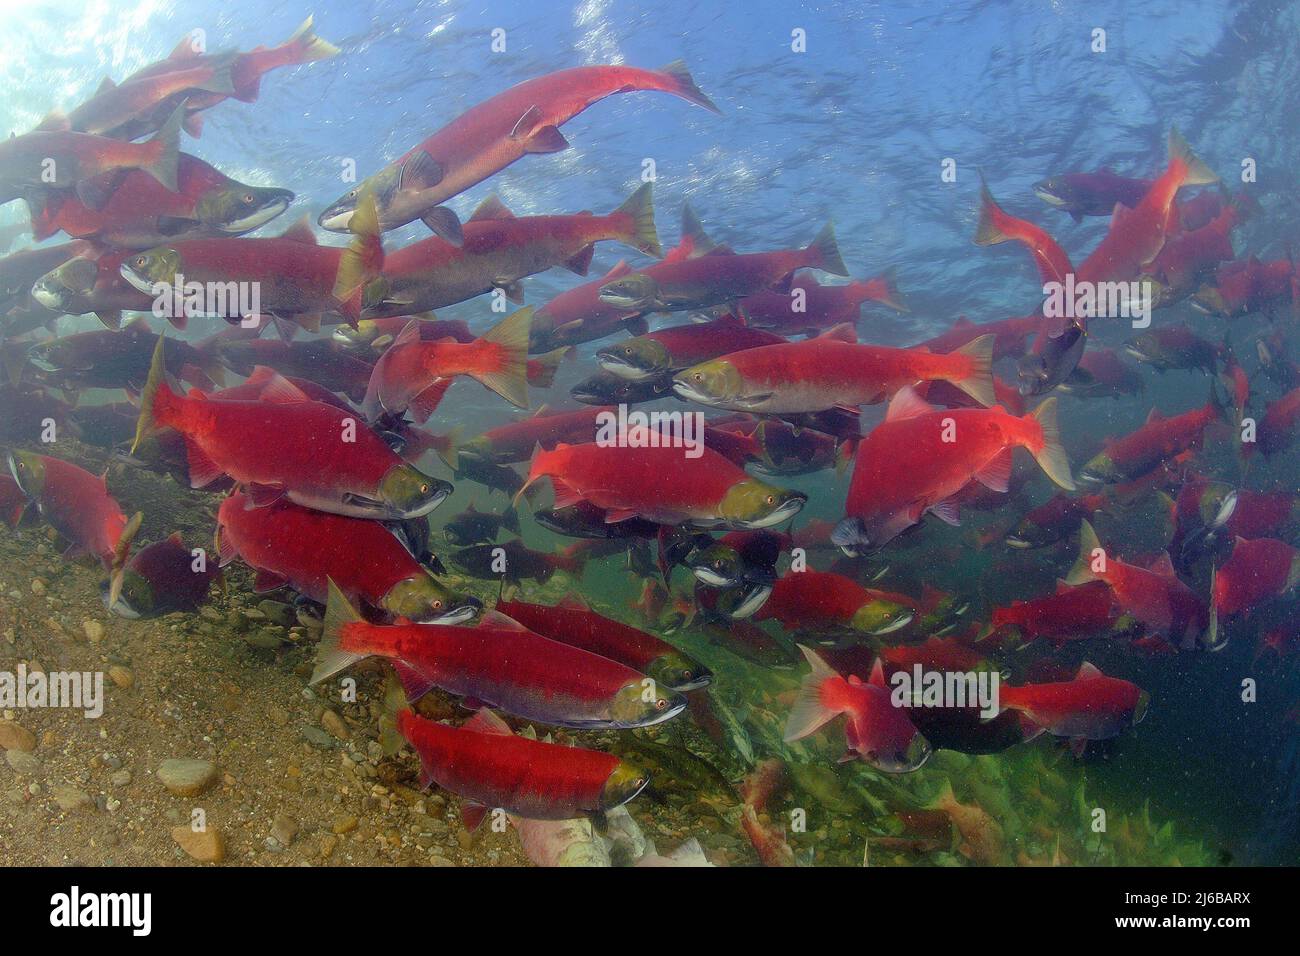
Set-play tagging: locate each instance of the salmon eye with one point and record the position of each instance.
(437, 605)
(771, 499)
(424, 489)
(660, 704)
(699, 377)
(248, 198)
(141, 261)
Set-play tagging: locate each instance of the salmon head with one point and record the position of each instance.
(28, 470)
(635, 293)
(408, 493)
(881, 616)
(716, 382)
(423, 600)
(635, 358)
(752, 504)
(643, 703)
(152, 267)
(624, 782)
(387, 188)
(676, 671)
(137, 598)
(62, 288)
(237, 208)
(1100, 469)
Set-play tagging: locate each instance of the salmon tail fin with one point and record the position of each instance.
(508, 374)
(640, 209)
(1051, 456)
(988, 232)
(121, 551)
(1197, 173)
(810, 711)
(889, 295)
(331, 657)
(824, 253)
(547, 364)
(977, 382)
(166, 144)
(449, 448)
(362, 260)
(683, 84)
(307, 46)
(1081, 572)
(156, 392)
(536, 471)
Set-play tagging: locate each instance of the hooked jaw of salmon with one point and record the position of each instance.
(1050, 192)
(408, 493)
(634, 293)
(851, 537)
(386, 187)
(1099, 471)
(28, 471)
(424, 601)
(752, 504)
(136, 599)
(715, 383)
(239, 209)
(153, 267)
(905, 761)
(748, 598)
(58, 289)
(636, 705)
(635, 359)
(624, 782)
(678, 672)
(881, 617)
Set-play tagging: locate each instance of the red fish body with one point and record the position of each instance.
(1277, 429)
(812, 308)
(1243, 287)
(1155, 597)
(819, 374)
(324, 362)
(1258, 570)
(498, 249)
(282, 443)
(516, 441)
(876, 731)
(74, 502)
(1009, 335)
(573, 623)
(495, 133)
(823, 601)
(306, 549)
(485, 764)
(919, 458)
(1072, 613)
(681, 346)
(1158, 441)
(502, 663)
(663, 485)
(1092, 706)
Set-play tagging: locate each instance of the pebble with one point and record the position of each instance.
(38, 586)
(317, 737)
(22, 762)
(121, 676)
(344, 825)
(206, 846)
(284, 828)
(187, 778)
(69, 798)
(335, 725)
(120, 778)
(94, 630)
(16, 737)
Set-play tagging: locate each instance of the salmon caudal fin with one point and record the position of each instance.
(121, 551)
(810, 711)
(641, 233)
(1051, 456)
(824, 253)
(504, 368)
(307, 47)
(166, 144)
(977, 380)
(331, 657)
(543, 368)
(1089, 546)
(154, 397)
(362, 260)
(682, 83)
(989, 232)
(1196, 173)
(884, 289)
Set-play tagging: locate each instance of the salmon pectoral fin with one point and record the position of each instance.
(203, 470)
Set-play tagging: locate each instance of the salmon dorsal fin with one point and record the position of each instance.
(491, 208)
(300, 231)
(486, 722)
(502, 622)
(877, 678)
(184, 50)
(1154, 416)
(574, 602)
(906, 404)
(1088, 671)
(280, 389)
